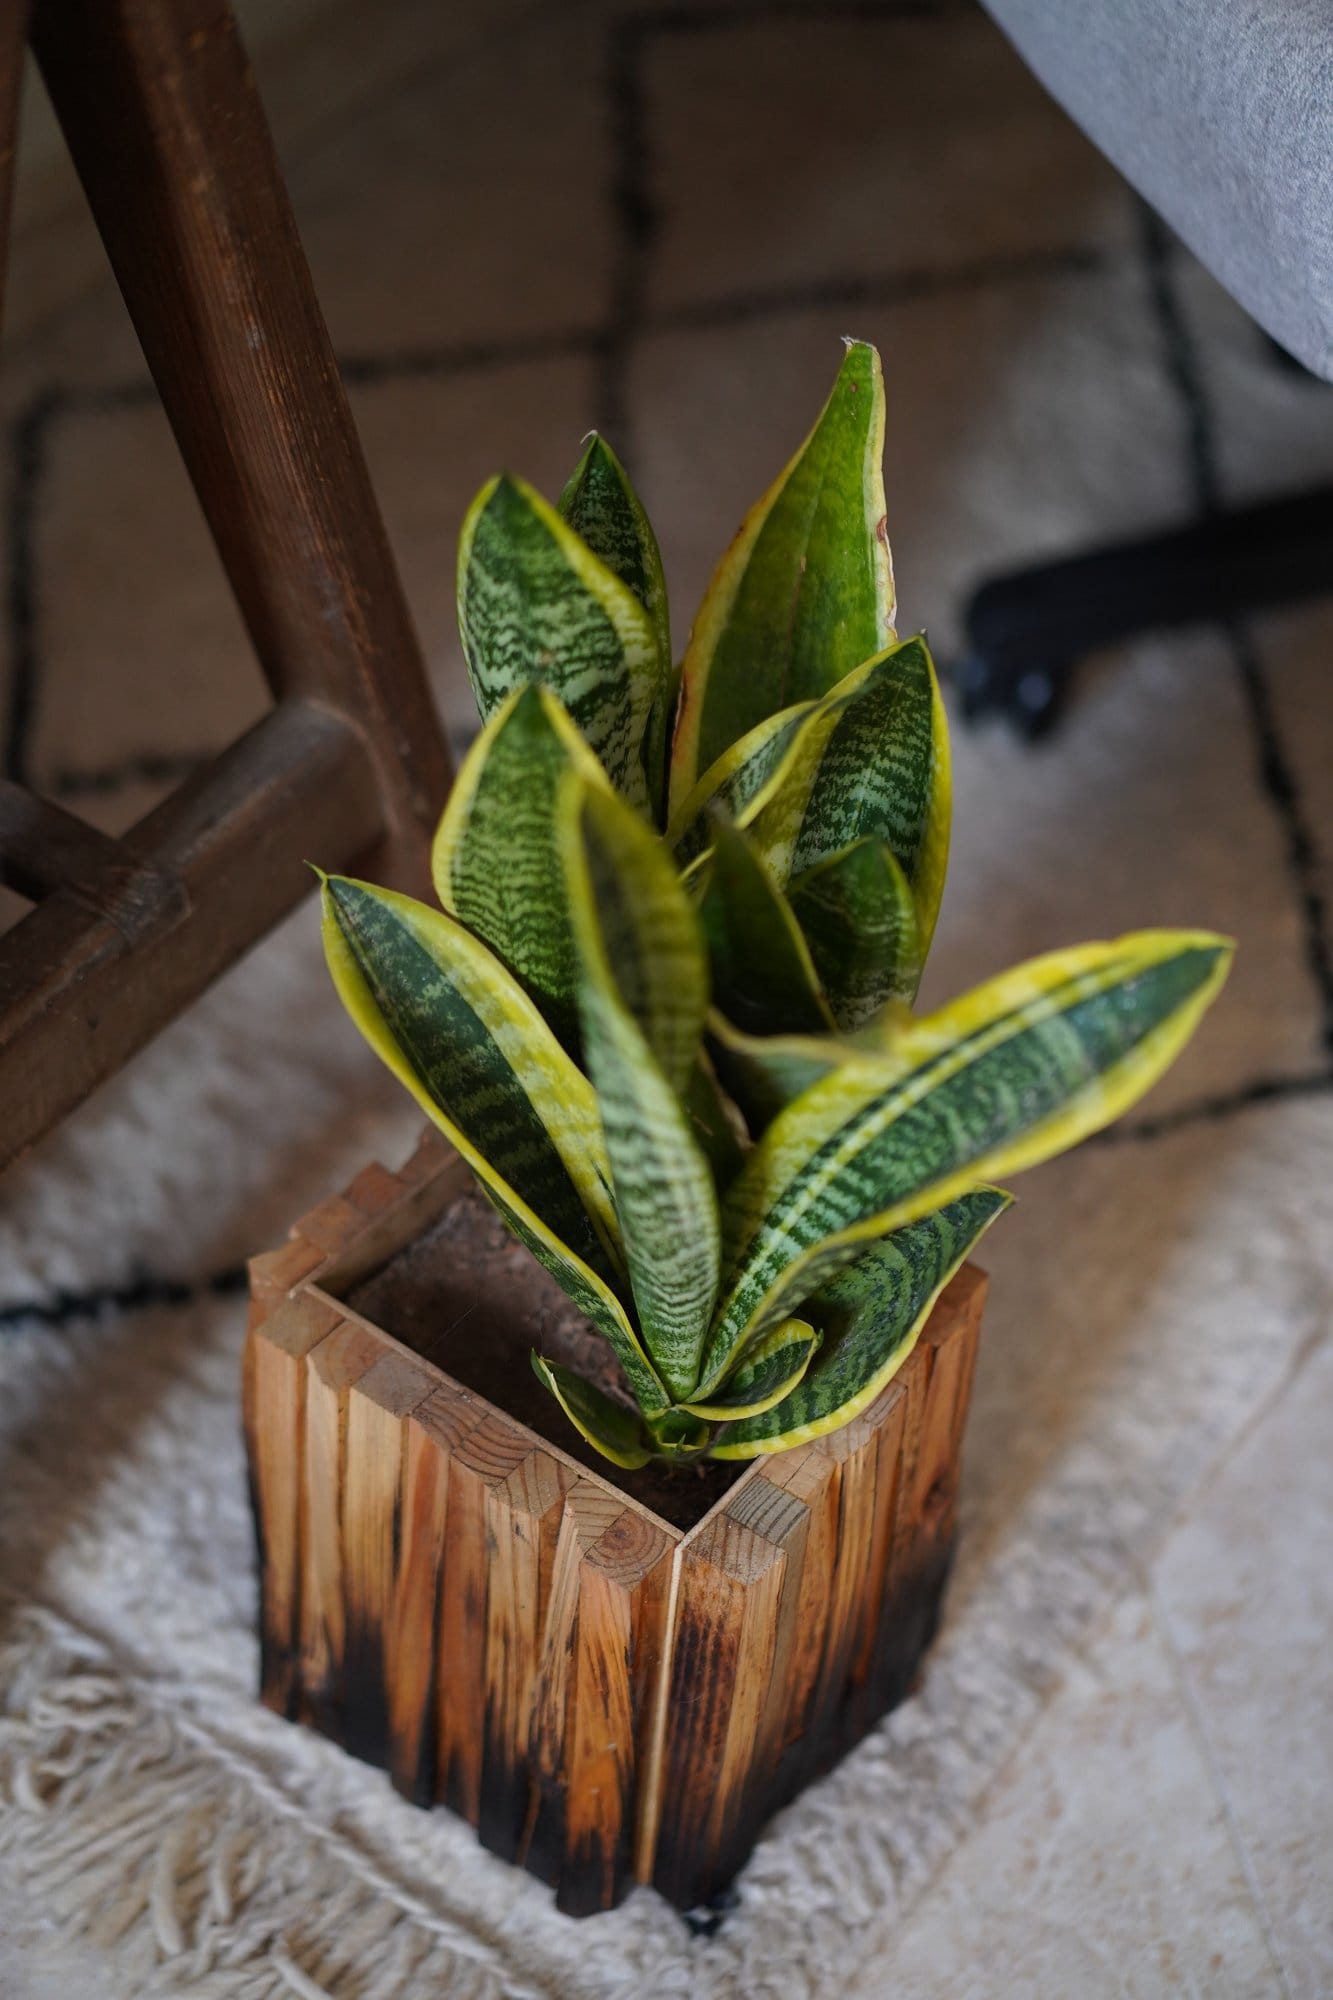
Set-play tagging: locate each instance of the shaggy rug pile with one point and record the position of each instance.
(659, 221)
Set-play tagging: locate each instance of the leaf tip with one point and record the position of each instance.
(859, 354)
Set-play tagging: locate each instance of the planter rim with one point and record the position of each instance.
(315, 1290)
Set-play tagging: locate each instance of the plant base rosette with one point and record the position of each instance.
(607, 1695)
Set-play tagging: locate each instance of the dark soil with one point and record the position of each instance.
(469, 1298)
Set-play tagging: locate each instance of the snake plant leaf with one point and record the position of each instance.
(1021, 1068)
(778, 759)
(495, 860)
(739, 782)
(602, 508)
(454, 1027)
(805, 592)
(595, 1299)
(762, 1074)
(712, 1124)
(535, 604)
(626, 901)
(872, 1313)
(873, 764)
(610, 1429)
(680, 1434)
(763, 974)
(642, 995)
(858, 916)
(769, 1370)
(452, 1024)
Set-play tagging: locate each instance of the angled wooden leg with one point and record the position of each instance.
(159, 108)
(13, 34)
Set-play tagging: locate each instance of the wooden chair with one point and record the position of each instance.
(159, 109)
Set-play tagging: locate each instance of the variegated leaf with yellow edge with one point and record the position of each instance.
(535, 604)
(872, 763)
(601, 506)
(872, 1314)
(768, 1371)
(609, 1428)
(465, 1039)
(805, 592)
(642, 995)
(740, 782)
(858, 917)
(495, 859)
(1019, 1069)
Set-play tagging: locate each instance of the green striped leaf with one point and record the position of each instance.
(875, 765)
(764, 1073)
(763, 975)
(713, 1126)
(472, 1048)
(535, 604)
(805, 592)
(1021, 1068)
(464, 1038)
(595, 1299)
(679, 1434)
(642, 996)
(740, 782)
(618, 868)
(603, 509)
(767, 1372)
(776, 761)
(872, 1315)
(495, 860)
(857, 914)
(610, 1429)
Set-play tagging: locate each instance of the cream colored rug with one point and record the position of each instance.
(661, 221)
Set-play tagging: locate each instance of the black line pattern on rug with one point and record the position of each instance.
(634, 206)
(1215, 1110)
(136, 1294)
(1277, 774)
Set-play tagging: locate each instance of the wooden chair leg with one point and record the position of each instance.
(13, 34)
(159, 109)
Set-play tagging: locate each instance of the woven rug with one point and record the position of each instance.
(659, 221)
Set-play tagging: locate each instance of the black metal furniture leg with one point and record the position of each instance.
(1028, 629)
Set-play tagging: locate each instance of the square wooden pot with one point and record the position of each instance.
(607, 1696)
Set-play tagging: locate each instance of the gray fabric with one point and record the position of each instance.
(1220, 112)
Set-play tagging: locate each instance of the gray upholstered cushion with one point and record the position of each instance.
(1221, 113)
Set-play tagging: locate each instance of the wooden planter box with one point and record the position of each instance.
(608, 1696)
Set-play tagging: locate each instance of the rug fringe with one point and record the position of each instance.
(126, 1836)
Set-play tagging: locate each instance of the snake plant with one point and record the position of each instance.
(664, 1007)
